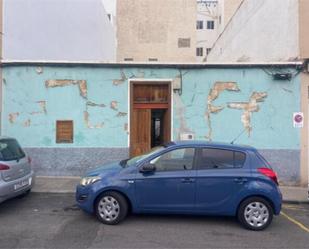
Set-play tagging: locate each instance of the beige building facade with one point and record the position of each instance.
(303, 29)
(304, 55)
(170, 30)
(228, 9)
(158, 30)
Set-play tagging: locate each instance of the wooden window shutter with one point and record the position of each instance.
(64, 131)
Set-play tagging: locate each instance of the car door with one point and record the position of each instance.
(221, 176)
(171, 187)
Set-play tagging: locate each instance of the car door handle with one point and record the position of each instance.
(187, 180)
(240, 180)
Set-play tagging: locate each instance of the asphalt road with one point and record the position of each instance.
(53, 221)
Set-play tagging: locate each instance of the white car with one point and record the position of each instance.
(16, 175)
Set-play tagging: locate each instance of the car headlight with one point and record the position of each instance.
(89, 180)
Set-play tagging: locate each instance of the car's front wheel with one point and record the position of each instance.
(111, 208)
(255, 213)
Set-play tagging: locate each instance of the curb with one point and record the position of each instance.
(52, 192)
(295, 202)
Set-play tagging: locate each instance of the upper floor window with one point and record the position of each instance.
(199, 24)
(210, 24)
(199, 51)
(208, 50)
(211, 158)
(184, 42)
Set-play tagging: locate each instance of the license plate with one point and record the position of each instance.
(22, 184)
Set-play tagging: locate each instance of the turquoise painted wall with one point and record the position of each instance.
(25, 94)
(272, 126)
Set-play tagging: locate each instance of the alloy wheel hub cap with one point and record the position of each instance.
(256, 214)
(108, 208)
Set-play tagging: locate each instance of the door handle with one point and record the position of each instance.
(240, 180)
(187, 180)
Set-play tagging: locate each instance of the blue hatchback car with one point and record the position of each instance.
(191, 177)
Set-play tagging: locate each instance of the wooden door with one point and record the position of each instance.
(140, 131)
(145, 96)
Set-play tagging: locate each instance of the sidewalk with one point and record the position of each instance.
(47, 184)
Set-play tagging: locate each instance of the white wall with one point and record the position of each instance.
(110, 8)
(57, 30)
(261, 30)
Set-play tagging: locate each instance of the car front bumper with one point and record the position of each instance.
(85, 198)
(16, 187)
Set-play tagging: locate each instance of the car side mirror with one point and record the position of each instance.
(147, 168)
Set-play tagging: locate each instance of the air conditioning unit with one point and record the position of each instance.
(186, 136)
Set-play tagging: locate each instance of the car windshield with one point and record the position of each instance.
(136, 159)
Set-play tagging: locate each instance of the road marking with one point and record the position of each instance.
(294, 207)
(295, 222)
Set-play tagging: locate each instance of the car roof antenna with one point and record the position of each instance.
(238, 136)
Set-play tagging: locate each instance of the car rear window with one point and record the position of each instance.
(211, 158)
(10, 150)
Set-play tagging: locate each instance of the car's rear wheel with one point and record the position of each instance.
(255, 213)
(111, 208)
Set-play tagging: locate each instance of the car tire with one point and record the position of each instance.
(255, 213)
(111, 208)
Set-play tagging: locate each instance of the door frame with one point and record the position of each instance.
(130, 100)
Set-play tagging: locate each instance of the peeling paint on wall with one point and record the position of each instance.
(213, 95)
(121, 114)
(13, 117)
(82, 84)
(114, 105)
(83, 88)
(248, 108)
(90, 103)
(27, 123)
(123, 78)
(42, 104)
(89, 125)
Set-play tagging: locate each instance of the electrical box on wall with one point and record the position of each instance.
(282, 76)
(186, 136)
(177, 83)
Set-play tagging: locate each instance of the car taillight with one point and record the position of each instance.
(269, 173)
(4, 167)
(29, 160)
